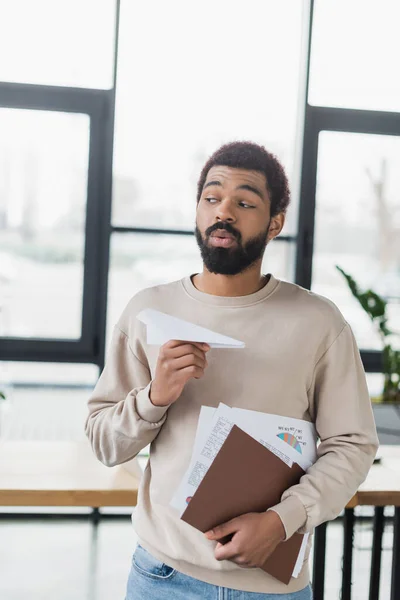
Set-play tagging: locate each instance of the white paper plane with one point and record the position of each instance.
(162, 327)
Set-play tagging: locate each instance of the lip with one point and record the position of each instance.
(222, 242)
(222, 233)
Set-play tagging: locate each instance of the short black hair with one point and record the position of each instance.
(253, 157)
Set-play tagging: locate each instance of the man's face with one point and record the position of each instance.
(234, 203)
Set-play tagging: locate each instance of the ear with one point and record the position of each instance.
(276, 226)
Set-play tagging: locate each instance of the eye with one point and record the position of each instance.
(209, 199)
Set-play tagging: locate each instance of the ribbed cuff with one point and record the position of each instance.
(146, 409)
(292, 514)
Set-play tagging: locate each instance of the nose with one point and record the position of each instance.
(225, 211)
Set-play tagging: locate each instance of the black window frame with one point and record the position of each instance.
(346, 120)
(100, 106)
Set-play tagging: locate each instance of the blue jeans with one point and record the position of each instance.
(150, 579)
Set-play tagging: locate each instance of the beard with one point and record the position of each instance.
(234, 260)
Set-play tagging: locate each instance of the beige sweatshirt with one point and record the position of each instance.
(300, 360)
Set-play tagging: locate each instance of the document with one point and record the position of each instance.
(291, 440)
(300, 559)
(244, 477)
(161, 327)
(212, 431)
(295, 437)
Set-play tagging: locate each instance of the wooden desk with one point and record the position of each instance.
(68, 474)
(61, 474)
(382, 486)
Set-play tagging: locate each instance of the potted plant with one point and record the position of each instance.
(387, 404)
(375, 307)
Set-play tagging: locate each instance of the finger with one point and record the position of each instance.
(226, 552)
(192, 371)
(189, 360)
(173, 344)
(222, 530)
(222, 552)
(186, 350)
(192, 357)
(242, 562)
(202, 345)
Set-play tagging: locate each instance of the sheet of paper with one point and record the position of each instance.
(162, 327)
(294, 437)
(203, 427)
(209, 442)
(273, 431)
(208, 447)
(300, 559)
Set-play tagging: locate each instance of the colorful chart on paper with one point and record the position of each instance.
(290, 439)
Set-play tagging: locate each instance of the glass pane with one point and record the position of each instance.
(58, 43)
(36, 374)
(142, 260)
(279, 259)
(43, 187)
(354, 55)
(358, 225)
(185, 89)
(45, 401)
(138, 261)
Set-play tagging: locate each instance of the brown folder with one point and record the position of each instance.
(245, 477)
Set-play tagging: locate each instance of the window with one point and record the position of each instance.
(43, 188)
(58, 43)
(357, 225)
(354, 55)
(191, 76)
(142, 260)
(45, 401)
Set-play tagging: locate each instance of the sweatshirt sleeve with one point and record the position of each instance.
(345, 425)
(122, 419)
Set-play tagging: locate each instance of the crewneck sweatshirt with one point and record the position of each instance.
(300, 360)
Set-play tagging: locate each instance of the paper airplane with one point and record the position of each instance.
(162, 327)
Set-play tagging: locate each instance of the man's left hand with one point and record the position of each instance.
(255, 537)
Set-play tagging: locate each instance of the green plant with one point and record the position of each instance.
(375, 307)
(2, 395)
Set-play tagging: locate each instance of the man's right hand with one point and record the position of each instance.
(178, 361)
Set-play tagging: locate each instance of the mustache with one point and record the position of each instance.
(225, 226)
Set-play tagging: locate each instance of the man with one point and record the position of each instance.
(300, 360)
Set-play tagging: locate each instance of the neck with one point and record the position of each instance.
(241, 284)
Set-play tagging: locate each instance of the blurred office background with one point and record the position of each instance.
(108, 111)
